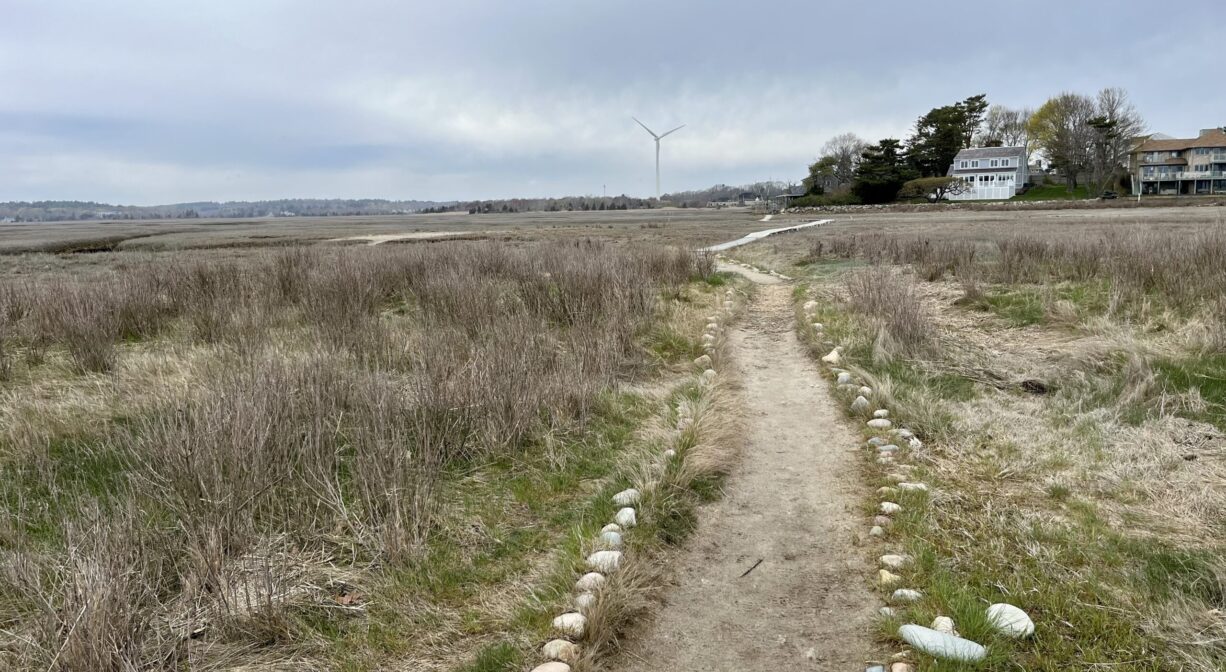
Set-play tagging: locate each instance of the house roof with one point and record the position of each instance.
(1213, 137)
(990, 153)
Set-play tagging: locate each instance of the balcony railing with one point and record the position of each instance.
(1185, 175)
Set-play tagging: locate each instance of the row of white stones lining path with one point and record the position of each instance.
(941, 639)
(571, 626)
(772, 578)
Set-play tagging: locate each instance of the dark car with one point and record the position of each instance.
(1109, 195)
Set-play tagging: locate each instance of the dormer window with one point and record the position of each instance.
(975, 163)
(994, 163)
(965, 164)
(1004, 163)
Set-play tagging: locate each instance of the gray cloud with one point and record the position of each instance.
(147, 102)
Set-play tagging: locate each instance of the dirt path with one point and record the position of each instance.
(788, 518)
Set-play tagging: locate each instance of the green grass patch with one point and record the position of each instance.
(1204, 374)
(1069, 578)
(669, 346)
(1027, 305)
(501, 657)
(1018, 308)
(39, 494)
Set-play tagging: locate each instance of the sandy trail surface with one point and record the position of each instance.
(772, 579)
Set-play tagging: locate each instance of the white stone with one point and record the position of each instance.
(906, 595)
(885, 459)
(913, 487)
(886, 578)
(894, 561)
(896, 478)
(626, 518)
(844, 378)
(585, 601)
(571, 623)
(904, 433)
(914, 443)
(611, 527)
(881, 413)
(605, 561)
(876, 531)
(944, 624)
(708, 338)
(589, 582)
(879, 423)
(1010, 620)
(818, 326)
(887, 491)
(883, 521)
(552, 666)
(887, 448)
(708, 376)
(888, 612)
(670, 454)
(833, 357)
(810, 306)
(889, 508)
(860, 405)
(627, 497)
(611, 540)
(876, 442)
(866, 391)
(560, 649)
(703, 362)
(941, 645)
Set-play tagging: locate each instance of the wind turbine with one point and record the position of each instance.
(658, 138)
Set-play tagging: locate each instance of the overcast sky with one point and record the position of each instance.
(163, 101)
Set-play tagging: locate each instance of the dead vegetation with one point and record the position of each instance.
(1073, 409)
(213, 463)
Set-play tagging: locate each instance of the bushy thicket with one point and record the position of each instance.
(336, 385)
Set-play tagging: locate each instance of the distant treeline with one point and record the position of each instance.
(48, 211)
(723, 193)
(54, 211)
(564, 204)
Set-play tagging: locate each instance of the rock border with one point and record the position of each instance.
(565, 650)
(890, 448)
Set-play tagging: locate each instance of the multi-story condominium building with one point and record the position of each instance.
(993, 172)
(1175, 166)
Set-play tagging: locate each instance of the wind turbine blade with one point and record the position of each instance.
(675, 130)
(653, 133)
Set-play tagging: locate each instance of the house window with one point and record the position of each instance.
(975, 163)
(1004, 163)
(993, 163)
(965, 164)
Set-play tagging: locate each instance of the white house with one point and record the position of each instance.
(993, 172)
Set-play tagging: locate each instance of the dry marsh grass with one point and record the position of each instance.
(1091, 495)
(206, 463)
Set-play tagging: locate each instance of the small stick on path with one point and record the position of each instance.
(755, 566)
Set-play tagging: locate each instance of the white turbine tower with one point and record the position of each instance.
(658, 138)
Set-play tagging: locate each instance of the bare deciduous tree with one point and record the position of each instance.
(1116, 125)
(843, 153)
(1005, 126)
